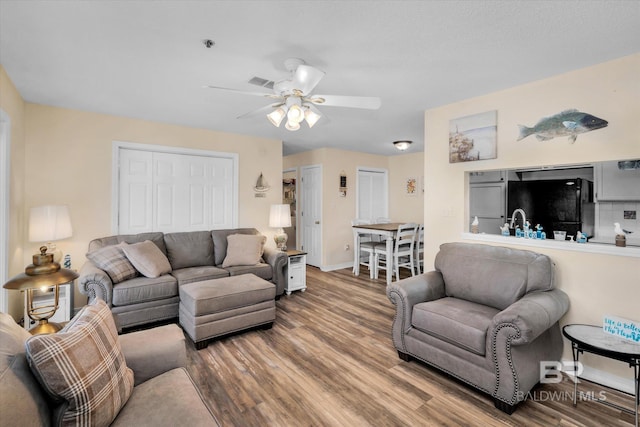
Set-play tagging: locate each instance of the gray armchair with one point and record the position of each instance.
(487, 315)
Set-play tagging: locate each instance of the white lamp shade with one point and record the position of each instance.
(291, 125)
(49, 223)
(280, 216)
(311, 117)
(276, 116)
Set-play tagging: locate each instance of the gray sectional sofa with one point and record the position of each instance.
(193, 256)
(487, 315)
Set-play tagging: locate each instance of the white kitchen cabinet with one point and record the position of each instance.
(46, 298)
(296, 271)
(614, 184)
(487, 176)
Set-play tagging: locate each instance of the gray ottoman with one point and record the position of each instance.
(215, 307)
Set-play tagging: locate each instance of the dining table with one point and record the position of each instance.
(387, 232)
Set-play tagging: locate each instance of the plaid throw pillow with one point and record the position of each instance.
(114, 262)
(84, 366)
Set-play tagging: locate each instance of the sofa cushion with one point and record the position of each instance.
(189, 249)
(195, 274)
(83, 365)
(220, 241)
(147, 258)
(114, 262)
(459, 322)
(263, 271)
(156, 237)
(22, 401)
(143, 289)
(244, 249)
(492, 275)
(156, 402)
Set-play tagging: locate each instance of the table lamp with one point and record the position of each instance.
(48, 224)
(279, 217)
(44, 273)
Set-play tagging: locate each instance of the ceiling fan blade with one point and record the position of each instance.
(262, 110)
(306, 78)
(366, 102)
(245, 92)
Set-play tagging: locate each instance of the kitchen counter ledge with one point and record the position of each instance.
(595, 248)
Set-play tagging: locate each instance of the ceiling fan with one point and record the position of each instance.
(294, 99)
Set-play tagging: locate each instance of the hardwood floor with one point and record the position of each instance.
(329, 361)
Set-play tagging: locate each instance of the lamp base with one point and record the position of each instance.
(45, 328)
(281, 240)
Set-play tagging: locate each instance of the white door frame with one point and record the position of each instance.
(386, 186)
(115, 164)
(295, 169)
(5, 144)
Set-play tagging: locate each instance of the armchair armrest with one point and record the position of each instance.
(152, 352)
(95, 283)
(278, 261)
(532, 314)
(407, 293)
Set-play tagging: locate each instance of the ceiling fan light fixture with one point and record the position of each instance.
(402, 145)
(276, 116)
(311, 117)
(292, 125)
(295, 114)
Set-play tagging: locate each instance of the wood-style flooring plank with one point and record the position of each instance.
(329, 361)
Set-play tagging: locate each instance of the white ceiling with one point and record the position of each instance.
(146, 59)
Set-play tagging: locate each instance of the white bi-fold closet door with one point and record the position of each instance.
(167, 191)
(372, 197)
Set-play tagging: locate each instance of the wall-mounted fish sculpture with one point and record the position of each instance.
(567, 123)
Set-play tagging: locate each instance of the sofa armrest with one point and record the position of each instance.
(95, 283)
(152, 352)
(406, 293)
(278, 261)
(532, 314)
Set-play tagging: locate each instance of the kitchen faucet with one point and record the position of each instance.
(513, 217)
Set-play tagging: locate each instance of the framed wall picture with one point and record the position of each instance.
(473, 137)
(411, 186)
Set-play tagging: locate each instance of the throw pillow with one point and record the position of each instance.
(84, 367)
(147, 258)
(244, 249)
(114, 262)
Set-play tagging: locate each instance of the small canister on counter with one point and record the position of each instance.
(621, 240)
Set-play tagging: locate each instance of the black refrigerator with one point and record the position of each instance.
(557, 204)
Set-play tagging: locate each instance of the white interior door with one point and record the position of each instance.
(311, 214)
(164, 191)
(372, 194)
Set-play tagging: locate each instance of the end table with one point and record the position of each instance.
(296, 271)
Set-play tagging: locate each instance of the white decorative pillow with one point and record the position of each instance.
(244, 249)
(83, 366)
(147, 258)
(114, 262)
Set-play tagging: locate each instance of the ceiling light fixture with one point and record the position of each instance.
(402, 145)
(296, 112)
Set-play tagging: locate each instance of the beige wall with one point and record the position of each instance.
(12, 104)
(68, 161)
(337, 211)
(596, 284)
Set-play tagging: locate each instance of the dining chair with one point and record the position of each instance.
(418, 256)
(366, 248)
(403, 252)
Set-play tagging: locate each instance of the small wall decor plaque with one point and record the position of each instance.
(623, 328)
(411, 186)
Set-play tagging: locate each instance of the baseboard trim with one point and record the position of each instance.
(327, 268)
(598, 376)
